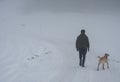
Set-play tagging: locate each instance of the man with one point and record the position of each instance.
(82, 45)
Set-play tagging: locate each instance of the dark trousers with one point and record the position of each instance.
(82, 56)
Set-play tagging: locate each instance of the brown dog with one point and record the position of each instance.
(103, 60)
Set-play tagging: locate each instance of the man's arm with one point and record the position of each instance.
(88, 43)
(77, 44)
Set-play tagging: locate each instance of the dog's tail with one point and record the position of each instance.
(98, 57)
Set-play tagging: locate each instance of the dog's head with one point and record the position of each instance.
(106, 54)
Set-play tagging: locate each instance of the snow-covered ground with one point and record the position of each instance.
(40, 46)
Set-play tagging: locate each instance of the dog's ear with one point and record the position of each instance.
(106, 54)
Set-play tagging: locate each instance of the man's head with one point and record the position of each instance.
(82, 31)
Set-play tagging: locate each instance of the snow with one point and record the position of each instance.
(40, 46)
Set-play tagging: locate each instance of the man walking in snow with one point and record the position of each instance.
(82, 46)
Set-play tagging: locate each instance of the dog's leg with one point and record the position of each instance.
(98, 66)
(107, 64)
(103, 67)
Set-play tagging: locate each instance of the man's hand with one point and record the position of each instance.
(77, 49)
(88, 49)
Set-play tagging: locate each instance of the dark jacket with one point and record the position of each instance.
(82, 41)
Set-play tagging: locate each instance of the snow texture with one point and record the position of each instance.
(40, 46)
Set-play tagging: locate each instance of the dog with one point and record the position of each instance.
(103, 60)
